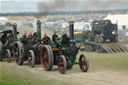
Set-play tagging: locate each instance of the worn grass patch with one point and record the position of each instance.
(18, 76)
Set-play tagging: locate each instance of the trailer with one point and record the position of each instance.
(116, 47)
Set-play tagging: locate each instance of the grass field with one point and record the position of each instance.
(12, 74)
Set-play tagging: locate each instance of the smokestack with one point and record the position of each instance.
(15, 31)
(71, 30)
(39, 29)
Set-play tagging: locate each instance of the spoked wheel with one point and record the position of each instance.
(46, 58)
(83, 63)
(62, 65)
(8, 55)
(31, 58)
(18, 51)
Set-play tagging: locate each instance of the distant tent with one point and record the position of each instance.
(77, 25)
(3, 20)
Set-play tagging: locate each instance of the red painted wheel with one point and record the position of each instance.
(31, 58)
(46, 58)
(62, 65)
(83, 63)
(8, 55)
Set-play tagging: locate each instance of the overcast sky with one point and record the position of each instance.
(51, 5)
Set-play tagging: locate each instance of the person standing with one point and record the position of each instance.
(54, 37)
(25, 35)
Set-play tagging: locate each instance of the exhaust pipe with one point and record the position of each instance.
(39, 29)
(71, 30)
(15, 31)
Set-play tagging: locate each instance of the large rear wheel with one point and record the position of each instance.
(46, 58)
(31, 58)
(8, 55)
(83, 63)
(62, 64)
(18, 52)
(51, 54)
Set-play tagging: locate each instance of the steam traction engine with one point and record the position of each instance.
(102, 31)
(62, 53)
(7, 40)
(29, 51)
(104, 38)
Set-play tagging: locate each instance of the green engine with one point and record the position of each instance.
(62, 53)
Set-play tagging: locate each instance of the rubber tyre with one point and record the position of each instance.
(8, 55)
(83, 63)
(31, 58)
(46, 58)
(62, 64)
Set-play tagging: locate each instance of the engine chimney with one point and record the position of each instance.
(39, 29)
(15, 31)
(71, 30)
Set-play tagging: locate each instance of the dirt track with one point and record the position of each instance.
(95, 76)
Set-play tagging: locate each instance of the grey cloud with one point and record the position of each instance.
(82, 5)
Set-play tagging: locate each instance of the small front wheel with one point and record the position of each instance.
(62, 65)
(83, 63)
(31, 58)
